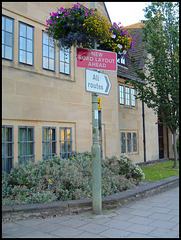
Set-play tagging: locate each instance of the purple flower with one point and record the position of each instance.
(53, 14)
(61, 9)
(69, 15)
(55, 22)
(51, 21)
(50, 14)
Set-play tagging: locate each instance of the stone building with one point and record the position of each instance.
(45, 108)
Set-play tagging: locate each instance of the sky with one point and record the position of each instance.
(126, 12)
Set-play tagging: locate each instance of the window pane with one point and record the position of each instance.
(22, 149)
(8, 52)
(9, 134)
(66, 68)
(9, 25)
(29, 32)
(134, 142)
(128, 142)
(22, 134)
(61, 56)
(22, 43)
(8, 39)
(67, 58)
(62, 67)
(3, 23)
(51, 52)
(22, 56)
(127, 95)
(29, 46)
(30, 134)
(45, 39)
(9, 150)
(30, 149)
(68, 135)
(53, 134)
(29, 58)
(3, 51)
(62, 135)
(121, 94)
(53, 147)
(45, 50)
(3, 34)
(51, 64)
(123, 143)
(22, 30)
(45, 62)
(133, 103)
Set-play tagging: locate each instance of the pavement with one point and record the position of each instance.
(155, 216)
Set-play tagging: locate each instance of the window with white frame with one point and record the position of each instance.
(65, 142)
(49, 142)
(121, 95)
(129, 143)
(64, 60)
(127, 96)
(25, 144)
(7, 148)
(7, 37)
(48, 53)
(121, 60)
(26, 43)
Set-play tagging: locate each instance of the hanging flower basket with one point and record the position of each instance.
(80, 26)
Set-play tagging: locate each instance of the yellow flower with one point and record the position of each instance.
(49, 181)
(89, 195)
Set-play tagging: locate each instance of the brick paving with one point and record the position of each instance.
(153, 217)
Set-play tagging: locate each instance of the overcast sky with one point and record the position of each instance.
(126, 12)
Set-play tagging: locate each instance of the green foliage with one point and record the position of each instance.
(160, 90)
(66, 179)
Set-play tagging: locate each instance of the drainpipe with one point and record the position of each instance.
(144, 139)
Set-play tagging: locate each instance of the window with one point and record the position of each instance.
(127, 96)
(121, 60)
(25, 144)
(7, 148)
(133, 101)
(128, 142)
(7, 37)
(26, 42)
(49, 142)
(65, 142)
(64, 60)
(48, 53)
(121, 94)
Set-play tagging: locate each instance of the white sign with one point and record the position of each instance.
(97, 82)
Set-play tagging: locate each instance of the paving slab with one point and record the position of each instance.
(136, 220)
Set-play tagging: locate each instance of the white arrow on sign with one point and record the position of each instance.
(97, 82)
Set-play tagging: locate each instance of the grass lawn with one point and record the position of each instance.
(160, 171)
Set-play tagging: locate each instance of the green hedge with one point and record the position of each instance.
(66, 179)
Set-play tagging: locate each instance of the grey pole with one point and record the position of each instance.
(96, 156)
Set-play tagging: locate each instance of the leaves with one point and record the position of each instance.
(161, 36)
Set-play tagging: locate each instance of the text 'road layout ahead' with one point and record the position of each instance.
(96, 59)
(97, 82)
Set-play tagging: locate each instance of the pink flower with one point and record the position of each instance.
(65, 14)
(55, 22)
(61, 9)
(53, 14)
(50, 14)
(86, 14)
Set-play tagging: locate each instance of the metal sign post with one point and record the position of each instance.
(96, 159)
